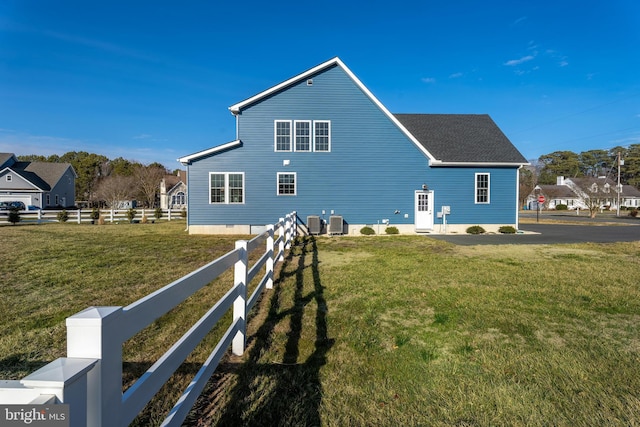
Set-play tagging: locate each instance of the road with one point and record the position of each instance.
(599, 230)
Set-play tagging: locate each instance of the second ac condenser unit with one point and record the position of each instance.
(335, 225)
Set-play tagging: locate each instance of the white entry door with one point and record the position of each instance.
(424, 210)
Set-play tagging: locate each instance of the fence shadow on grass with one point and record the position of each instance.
(285, 392)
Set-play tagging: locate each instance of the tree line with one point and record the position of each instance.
(103, 181)
(591, 163)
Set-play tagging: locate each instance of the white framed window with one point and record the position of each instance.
(287, 183)
(226, 187)
(482, 188)
(48, 199)
(303, 135)
(282, 135)
(9, 178)
(322, 135)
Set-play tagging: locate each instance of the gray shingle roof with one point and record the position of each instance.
(461, 138)
(44, 175)
(4, 159)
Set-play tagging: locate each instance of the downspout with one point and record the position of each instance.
(518, 197)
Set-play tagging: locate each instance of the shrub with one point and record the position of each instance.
(95, 214)
(183, 213)
(131, 214)
(367, 231)
(475, 229)
(507, 229)
(144, 219)
(63, 216)
(633, 212)
(14, 216)
(391, 230)
(157, 213)
(561, 207)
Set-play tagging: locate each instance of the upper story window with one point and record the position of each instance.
(283, 135)
(304, 135)
(322, 136)
(226, 187)
(9, 178)
(482, 188)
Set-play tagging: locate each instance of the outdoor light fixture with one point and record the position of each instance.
(424, 187)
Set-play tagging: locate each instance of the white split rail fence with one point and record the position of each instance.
(89, 379)
(81, 216)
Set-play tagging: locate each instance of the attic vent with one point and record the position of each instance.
(9, 178)
(310, 82)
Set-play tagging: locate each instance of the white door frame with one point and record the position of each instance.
(423, 218)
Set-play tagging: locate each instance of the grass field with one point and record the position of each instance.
(361, 331)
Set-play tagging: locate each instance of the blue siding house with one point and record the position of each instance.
(321, 144)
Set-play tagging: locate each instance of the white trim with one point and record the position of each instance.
(477, 164)
(475, 188)
(237, 108)
(227, 193)
(295, 135)
(275, 136)
(191, 157)
(295, 183)
(313, 143)
(36, 188)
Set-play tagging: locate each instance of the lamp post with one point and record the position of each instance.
(536, 191)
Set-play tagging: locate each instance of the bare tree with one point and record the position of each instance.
(115, 189)
(148, 181)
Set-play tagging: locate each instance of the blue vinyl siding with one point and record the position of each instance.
(372, 170)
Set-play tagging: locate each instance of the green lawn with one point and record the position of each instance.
(383, 330)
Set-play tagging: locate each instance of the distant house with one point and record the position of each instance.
(322, 144)
(573, 192)
(173, 191)
(40, 184)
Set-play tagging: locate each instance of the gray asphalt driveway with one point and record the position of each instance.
(541, 234)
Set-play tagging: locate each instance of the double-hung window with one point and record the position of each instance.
(303, 135)
(286, 183)
(321, 135)
(226, 187)
(283, 135)
(482, 188)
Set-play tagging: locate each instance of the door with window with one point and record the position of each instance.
(424, 210)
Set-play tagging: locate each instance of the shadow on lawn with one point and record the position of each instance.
(287, 392)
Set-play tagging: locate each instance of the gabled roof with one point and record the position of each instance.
(557, 191)
(334, 62)
(462, 138)
(43, 175)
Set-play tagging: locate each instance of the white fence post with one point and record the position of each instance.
(287, 231)
(79, 215)
(94, 333)
(169, 214)
(281, 234)
(39, 216)
(294, 224)
(111, 215)
(269, 265)
(240, 304)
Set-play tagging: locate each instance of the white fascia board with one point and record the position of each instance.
(236, 108)
(191, 157)
(476, 164)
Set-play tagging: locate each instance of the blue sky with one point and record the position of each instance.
(152, 80)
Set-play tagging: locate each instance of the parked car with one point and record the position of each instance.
(8, 206)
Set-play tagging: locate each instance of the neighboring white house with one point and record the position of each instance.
(573, 192)
(173, 191)
(40, 184)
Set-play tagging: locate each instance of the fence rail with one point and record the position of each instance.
(83, 216)
(89, 379)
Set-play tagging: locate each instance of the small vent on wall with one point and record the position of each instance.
(310, 82)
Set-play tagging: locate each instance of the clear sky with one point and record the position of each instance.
(153, 80)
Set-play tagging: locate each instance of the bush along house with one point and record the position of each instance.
(321, 144)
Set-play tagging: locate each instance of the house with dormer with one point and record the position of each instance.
(39, 184)
(321, 144)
